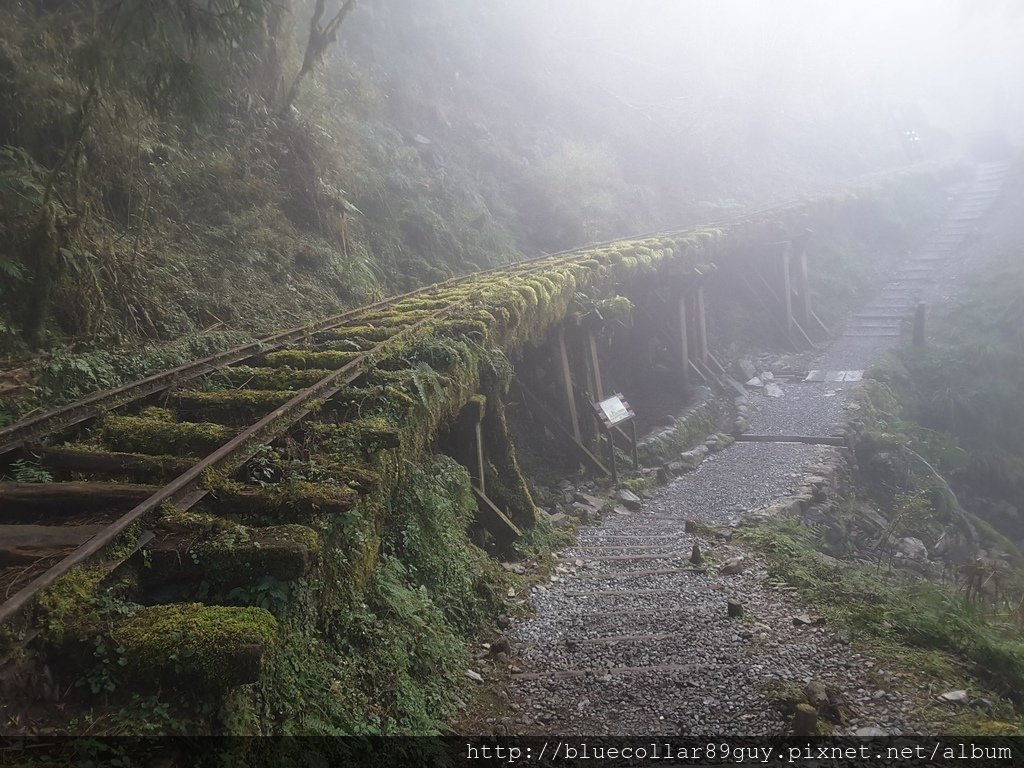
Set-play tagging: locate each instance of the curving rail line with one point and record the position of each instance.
(184, 491)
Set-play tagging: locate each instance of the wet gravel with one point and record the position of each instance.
(708, 675)
(599, 622)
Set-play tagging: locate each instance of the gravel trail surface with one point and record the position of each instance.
(632, 638)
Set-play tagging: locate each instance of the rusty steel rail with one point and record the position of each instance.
(185, 492)
(22, 432)
(25, 431)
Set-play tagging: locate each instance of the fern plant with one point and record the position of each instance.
(24, 471)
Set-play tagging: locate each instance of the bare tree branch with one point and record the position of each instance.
(320, 39)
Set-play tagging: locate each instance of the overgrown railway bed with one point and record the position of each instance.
(219, 405)
(153, 442)
(124, 467)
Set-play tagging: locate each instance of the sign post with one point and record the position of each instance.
(610, 413)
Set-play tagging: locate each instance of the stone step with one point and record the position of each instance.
(871, 334)
(601, 671)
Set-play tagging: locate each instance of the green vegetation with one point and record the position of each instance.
(957, 402)
(207, 645)
(934, 630)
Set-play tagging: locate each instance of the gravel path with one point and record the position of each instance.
(630, 638)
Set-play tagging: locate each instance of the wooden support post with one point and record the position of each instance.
(496, 521)
(636, 452)
(611, 459)
(479, 434)
(684, 344)
(701, 327)
(595, 366)
(787, 293)
(803, 286)
(570, 394)
(920, 314)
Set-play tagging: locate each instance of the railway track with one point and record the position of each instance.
(117, 457)
(46, 529)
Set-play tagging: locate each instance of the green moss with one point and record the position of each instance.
(66, 605)
(306, 359)
(279, 379)
(217, 646)
(895, 618)
(362, 333)
(236, 406)
(133, 434)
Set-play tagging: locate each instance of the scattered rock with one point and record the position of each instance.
(869, 732)
(585, 512)
(589, 500)
(746, 368)
(806, 620)
(755, 382)
(732, 566)
(696, 558)
(982, 704)
(504, 622)
(805, 721)
(558, 520)
(474, 676)
(502, 645)
(629, 499)
(954, 697)
(911, 548)
(735, 609)
(773, 390)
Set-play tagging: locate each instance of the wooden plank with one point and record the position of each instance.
(683, 341)
(616, 558)
(67, 499)
(615, 575)
(102, 462)
(609, 639)
(623, 592)
(595, 366)
(478, 432)
(496, 521)
(568, 391)
(25, 544)
(810, 439)
(786, 290)
(803, 285)
(696, 369)
(701, 331)
(559, 674)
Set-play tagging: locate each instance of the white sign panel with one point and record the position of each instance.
(614, 410)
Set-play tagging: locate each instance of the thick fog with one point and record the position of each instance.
(933, 66)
